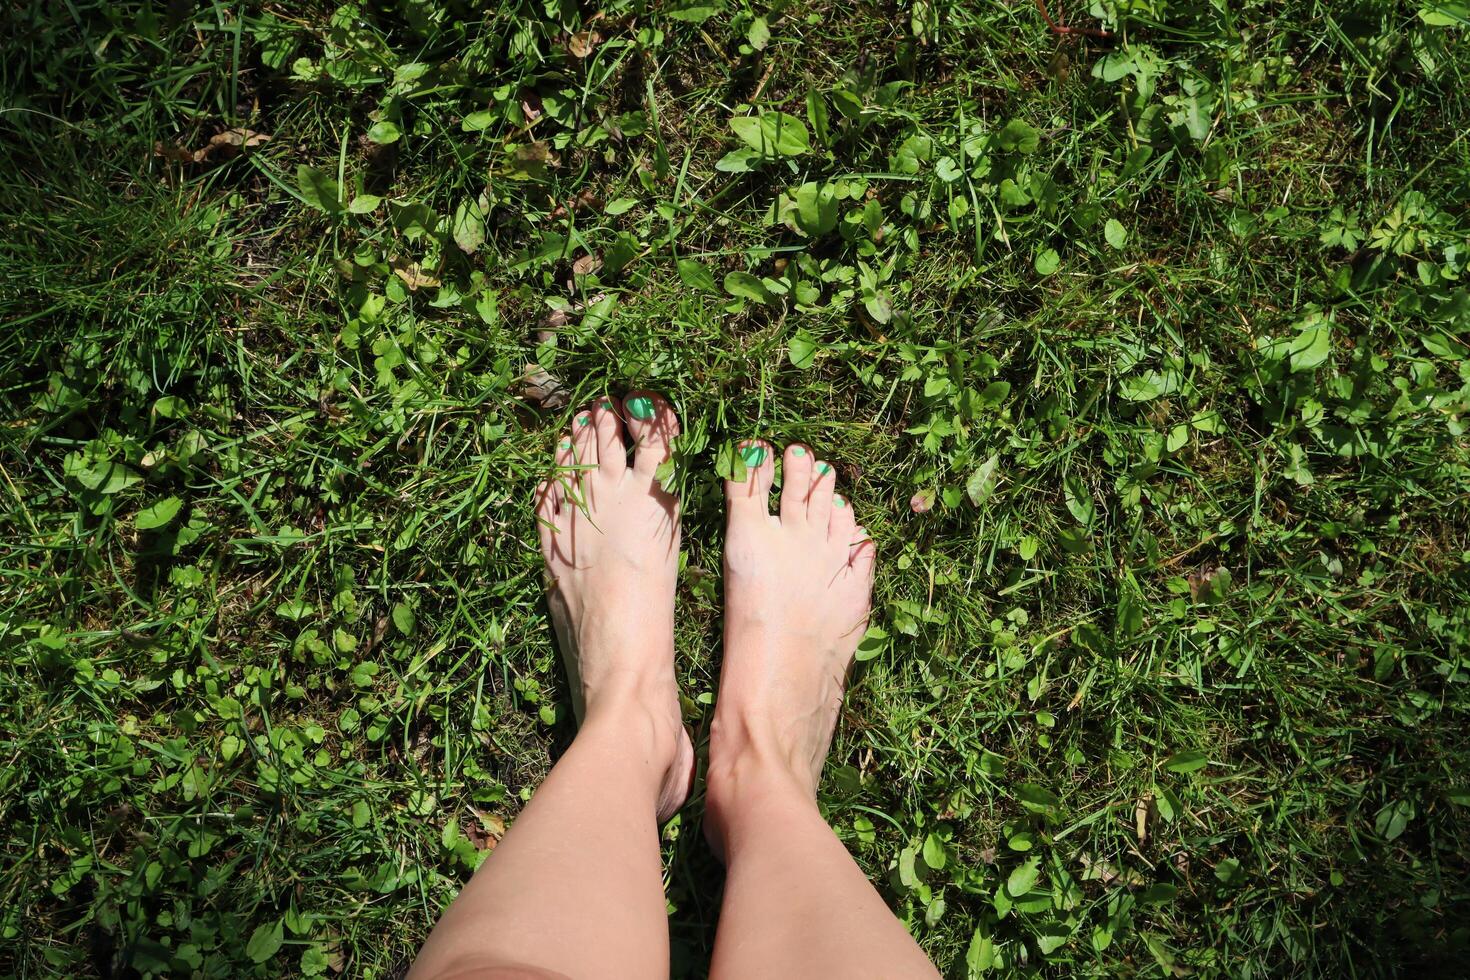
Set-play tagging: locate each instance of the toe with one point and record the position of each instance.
(548, 502)
(862, 554)
(796, 482)
(819, 497)
(652, 425)
(584, 439)
(612, 451)
(760, 471)
(841, 525)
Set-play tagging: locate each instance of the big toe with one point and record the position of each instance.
(652, 425)
(751, 494)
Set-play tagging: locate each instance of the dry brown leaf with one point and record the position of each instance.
(227, 144)
(485, 830)
(586, 198)
(413, 277)
(540, 387)
(1140, 818)
(582, 43)
(586, 265)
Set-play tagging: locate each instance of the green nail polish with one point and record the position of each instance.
(584, 420)
(565, 444)
(753, 455)
(823, 469)
(839, 501)
(641, 407)
(797, 451)
(607, 405)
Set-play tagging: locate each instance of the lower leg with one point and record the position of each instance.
(575, 888)
(796, 904)
(797, 592)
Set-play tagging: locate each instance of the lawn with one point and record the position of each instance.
(1141, 349)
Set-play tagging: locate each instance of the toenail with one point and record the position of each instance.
(564, 444)
(640, 407)
(607, 405)
(753, 455)
(823, 469)
(797, 451)
(839, 501)
(584, 420)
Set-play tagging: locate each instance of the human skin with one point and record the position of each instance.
(575, 887)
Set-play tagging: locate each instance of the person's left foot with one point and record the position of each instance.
(610, 537)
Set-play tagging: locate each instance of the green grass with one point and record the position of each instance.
(1167, 331)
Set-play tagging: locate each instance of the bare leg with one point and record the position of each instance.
(575, 888)
(797, 590)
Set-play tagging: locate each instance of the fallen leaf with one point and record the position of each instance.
(587, 198)
(226, 144)
(1140, 818)
(413, 277)
(586, 264)
(542, 388)
(582, 43)
(922, 502)
(531, 107)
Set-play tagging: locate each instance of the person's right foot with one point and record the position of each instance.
(797, 588)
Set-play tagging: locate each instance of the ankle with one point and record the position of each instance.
(748, 765)
(645, 722)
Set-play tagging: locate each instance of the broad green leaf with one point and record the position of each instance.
(1188, 761)
(1024, 876)
(1037, 798)
(802, 349)
(1312, 346)
(981, 483)
(773, 134)
(468, 226)
(933, 852)
(1048, 261)
(993, 394)
(747, 286)
(874, 642)
(295, 609)
(696, 275)
(477, 121)
(265, 941)
(319, 190)
(171, 407)
(758, 34)
(1079, 500)
(1115, 233)
(385, 132)
(158, 514)
(694, 13)
(404, 618)
(980, 954)
(816, 208)
(1019, 136)
(1149, 385)
(364, 204)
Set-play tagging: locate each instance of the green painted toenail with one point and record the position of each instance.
(823, 469)
(641, 407)
(585, 420)
(607, 405)
(839, 501)
(753, 455)
(564, 444)
(797, 451)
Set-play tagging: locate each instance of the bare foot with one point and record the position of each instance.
(797, 590)
(610, 537)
